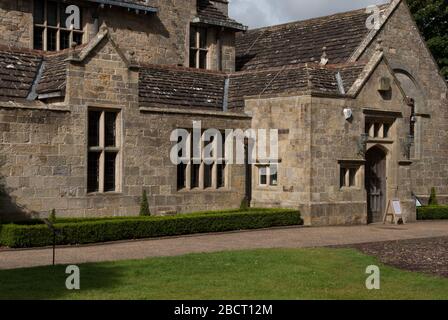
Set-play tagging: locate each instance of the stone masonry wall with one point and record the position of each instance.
(291, 116)
(335, 139)
(159, 38)
(16, 20)
(406, 51)
(44, 153)
(39, 160)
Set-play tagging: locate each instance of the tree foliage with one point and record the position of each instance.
(432, 20)
(144, 205)
(433, 198)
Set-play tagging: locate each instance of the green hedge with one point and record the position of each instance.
(112, 229)
(432, 213)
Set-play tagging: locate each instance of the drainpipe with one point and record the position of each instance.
(225, 100)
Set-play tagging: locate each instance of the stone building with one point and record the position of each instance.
(88, 103)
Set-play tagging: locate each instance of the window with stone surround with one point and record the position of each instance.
(201, 174)
(349, 175)
(268, 175)
(50, 32)
(103, 159)
(198, 47)
(378, 128)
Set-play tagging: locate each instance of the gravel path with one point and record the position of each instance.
(421, 255)
(296, 237)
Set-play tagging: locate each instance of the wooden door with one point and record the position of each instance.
(375, 183)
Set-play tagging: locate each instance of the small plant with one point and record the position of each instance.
(52, 216)
(144, 206)
(433, 198)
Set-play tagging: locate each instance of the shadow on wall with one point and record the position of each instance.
(148, 24)
(9, 209)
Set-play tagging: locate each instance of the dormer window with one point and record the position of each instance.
(51, 32)
(198, 48)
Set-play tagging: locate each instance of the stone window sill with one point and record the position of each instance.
(102, 194)
(208, 190)
(380, 140)
(355, 188)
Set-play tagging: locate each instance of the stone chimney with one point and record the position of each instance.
(222, 5)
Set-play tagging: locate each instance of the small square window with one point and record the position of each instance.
(378, 128)
(195, 175)
(348, 175)
(386, 128)
(221, 179)
(263, 176)
(208, 173)
(181, 176)
(273, 175)
(268, 175)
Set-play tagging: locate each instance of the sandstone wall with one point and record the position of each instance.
(16, 20)
(408, 54)
(291, 116)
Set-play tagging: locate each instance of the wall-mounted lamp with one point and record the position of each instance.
(348, 114)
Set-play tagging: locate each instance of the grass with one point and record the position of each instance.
(256, 274)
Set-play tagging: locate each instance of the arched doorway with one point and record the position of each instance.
(375, 183)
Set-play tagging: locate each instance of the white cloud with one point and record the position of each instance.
(259, 13)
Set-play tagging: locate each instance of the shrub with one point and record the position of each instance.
(432, 213)
(144, 206)
(433, 198)
(52, 216)
(97, 230)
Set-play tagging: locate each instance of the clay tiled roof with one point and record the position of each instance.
(306, 78)
(18, 69)
(208, 13)
(54, 74)
(175, 86)
(184, 87)
(23, 72)
(303, 41)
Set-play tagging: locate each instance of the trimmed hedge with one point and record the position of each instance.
(112, 229)
(432, 213)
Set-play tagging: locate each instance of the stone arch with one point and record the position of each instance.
(411, 88)
(381, 147)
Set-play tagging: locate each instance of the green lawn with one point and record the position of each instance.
(256, 274)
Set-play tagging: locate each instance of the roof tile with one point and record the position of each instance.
(18, 69)
(303, 41)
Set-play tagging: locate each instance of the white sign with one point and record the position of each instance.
(397, 206)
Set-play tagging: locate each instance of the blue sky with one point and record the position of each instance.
(259, 13)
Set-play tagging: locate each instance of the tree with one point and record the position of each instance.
(144, 206)
(433, 198)
(432, 20)
(52, 216)
(244, 206)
